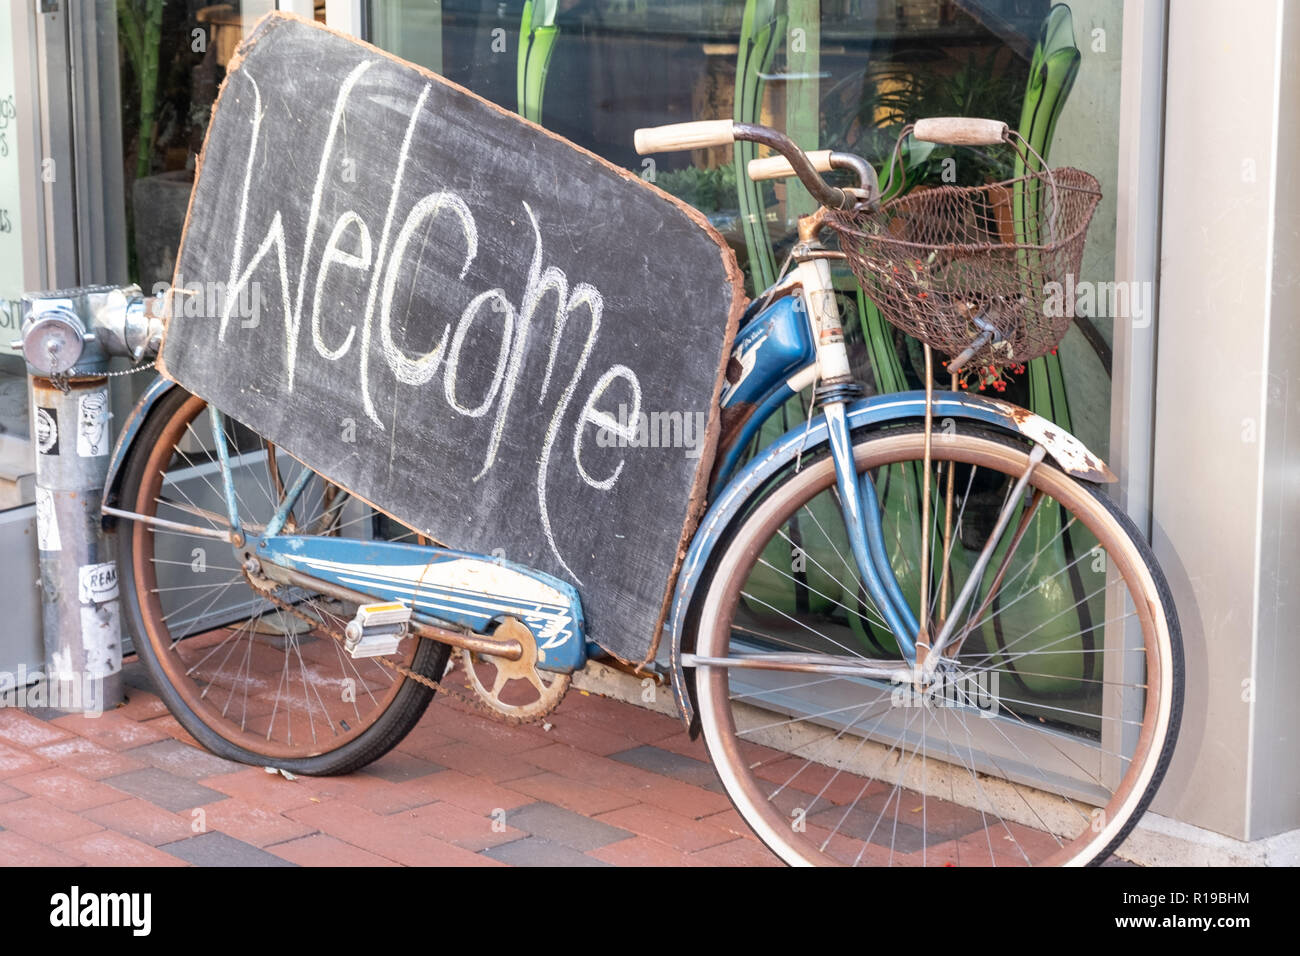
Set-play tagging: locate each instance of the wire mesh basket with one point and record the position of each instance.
(976, 269)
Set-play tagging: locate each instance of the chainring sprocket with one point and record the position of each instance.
(508, 672)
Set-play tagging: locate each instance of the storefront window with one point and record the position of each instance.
(839, 74)
(173, 57)
(15, 122)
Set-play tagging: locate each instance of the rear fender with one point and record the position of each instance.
(126, 439)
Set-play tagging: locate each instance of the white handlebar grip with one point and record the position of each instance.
(698, 135)
(960, 131)
(778, 167)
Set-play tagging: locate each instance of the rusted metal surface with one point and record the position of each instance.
(1066, 450)
(523, 668)
(966, 273)
(478, 643)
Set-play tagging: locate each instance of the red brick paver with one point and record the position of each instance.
(457, 790)
(18, 850)
(251, 823)
(676, 831)
(107, 848)
(23, 730)
(67, 789)
(321, 850)
(39, 819)
(88, 758)
(143, 821)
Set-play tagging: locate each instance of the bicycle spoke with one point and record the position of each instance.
(1019, 722)
(278, 687)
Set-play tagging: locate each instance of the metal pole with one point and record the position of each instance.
(68, 338)
(79, 593)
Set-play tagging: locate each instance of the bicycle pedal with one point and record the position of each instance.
(377, 629)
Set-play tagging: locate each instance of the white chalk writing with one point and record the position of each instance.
(395, 258)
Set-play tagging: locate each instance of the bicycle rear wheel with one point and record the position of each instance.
(1049, 726)
(254, 675)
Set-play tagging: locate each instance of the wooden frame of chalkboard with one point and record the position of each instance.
(448, 214)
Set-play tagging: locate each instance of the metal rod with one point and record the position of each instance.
(420, 624)
(923, 612)
(945, 579)
(169, 525)
(227, 475)
(806, 664)
(968, 353)
(1035, 456)
(468, 639)
(282, 513)
(273, 466)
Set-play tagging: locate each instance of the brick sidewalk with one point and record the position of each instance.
(608, 784)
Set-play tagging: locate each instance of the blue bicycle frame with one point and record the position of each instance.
(788, 340)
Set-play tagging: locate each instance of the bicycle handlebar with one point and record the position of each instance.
(961, 131)
(707, 133)
(823, 160)
(678, 136)
(793, 161)
(778, 167)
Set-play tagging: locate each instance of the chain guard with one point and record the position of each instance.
(482, 701)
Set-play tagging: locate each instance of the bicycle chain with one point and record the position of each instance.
(434, 685)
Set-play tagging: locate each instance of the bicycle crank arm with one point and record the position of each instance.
(420, 625)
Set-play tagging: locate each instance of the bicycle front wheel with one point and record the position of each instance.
(1049, 723)
(254, 675)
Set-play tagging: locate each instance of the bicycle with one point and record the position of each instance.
(869, 589)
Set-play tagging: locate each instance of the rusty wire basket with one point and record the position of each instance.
(979, 272)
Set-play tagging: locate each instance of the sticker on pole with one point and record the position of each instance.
(101, 639)
(47, 522)
(47, 430)
(97, 583)
(92, 424)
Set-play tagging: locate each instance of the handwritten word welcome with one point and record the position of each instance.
(383, 261)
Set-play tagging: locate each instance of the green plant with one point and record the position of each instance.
(140, 30)
(865, 113)
(708, 190)
(761, 34)
(537, 36)
(1051, 77)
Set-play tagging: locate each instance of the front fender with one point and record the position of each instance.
(1063, 448)
(130, 429)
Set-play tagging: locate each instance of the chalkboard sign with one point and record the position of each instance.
(489, 333)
